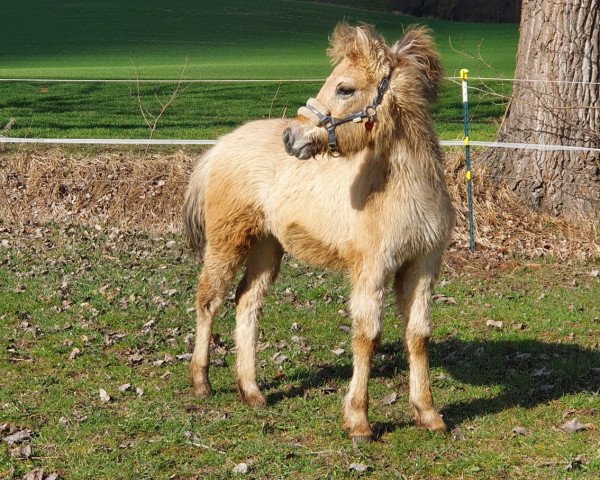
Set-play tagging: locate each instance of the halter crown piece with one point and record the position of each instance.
(314, 110)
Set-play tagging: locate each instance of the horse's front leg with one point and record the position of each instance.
(365, 305)
(413, 286)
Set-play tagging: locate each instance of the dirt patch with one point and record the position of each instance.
(133, 190)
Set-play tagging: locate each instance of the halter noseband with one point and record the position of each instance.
(314, 109)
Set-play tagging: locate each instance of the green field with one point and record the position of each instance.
(124, 301)
(216, 40)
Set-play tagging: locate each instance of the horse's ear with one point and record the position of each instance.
(418, 48)
(360, 44)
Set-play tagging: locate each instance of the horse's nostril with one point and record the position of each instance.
(288, 140)
(286, 136)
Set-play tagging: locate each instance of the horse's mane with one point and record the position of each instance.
(417, 49)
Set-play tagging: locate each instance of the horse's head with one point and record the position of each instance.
(361, 101)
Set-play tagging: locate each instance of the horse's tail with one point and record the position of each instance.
(193, 211)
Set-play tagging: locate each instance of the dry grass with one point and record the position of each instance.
(116, 188)
(133, 190)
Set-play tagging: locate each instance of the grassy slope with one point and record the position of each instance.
(229, 39)
(97, 291)
(234, 39)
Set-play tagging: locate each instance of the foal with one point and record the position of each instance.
(354, 182)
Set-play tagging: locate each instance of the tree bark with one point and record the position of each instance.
(558, 54)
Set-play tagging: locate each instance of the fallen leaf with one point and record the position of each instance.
(23, 451)
(327, 389)
(104, 397)
(441, 298)
(494, 324)
(184, 357)
(241, 468)
(79, 417)
(139, 391)
(575, 464)
(457, 434)
(136, 357)
(279, 358)
(338, 351)
(519, 431)
(358, 467)
(345, 328)
(542, 372)
(389, 399)
(35, 474)
(191, 436)
(123, 388)
(574, 425)
(74, 353)
(17, 437)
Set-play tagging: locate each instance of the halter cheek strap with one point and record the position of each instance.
(314, 111)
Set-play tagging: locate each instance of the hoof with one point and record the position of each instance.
(430, 420)
(360, 434)
(360, 439)
(254, 400)
(251, 395)
(203, 390)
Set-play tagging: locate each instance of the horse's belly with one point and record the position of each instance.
(301, 243)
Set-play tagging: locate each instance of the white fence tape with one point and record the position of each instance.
(266, 80)
(519, 146)
(164, 80)
(107, 141)
(145, 141)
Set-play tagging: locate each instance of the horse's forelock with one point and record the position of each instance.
(361, 45)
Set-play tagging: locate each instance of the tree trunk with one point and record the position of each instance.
(558, 52)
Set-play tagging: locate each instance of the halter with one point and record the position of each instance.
(314, 109)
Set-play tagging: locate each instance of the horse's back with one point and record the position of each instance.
(239, 172)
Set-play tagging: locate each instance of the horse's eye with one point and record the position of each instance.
(344, 92)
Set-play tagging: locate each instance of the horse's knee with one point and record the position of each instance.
(365, 344)
(207, 295)
(417, 339)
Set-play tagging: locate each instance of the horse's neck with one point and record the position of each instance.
(413, 157)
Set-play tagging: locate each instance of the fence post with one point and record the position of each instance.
(464, 73)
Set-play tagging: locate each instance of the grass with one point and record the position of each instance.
(201, 111)
(235, 39)
(124, 300)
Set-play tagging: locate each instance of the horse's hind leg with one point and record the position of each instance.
(413, 286)
(261, 269)
(217, 273)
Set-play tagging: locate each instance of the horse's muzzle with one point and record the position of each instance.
(297, 146)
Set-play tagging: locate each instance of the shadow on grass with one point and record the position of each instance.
(528, 373)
